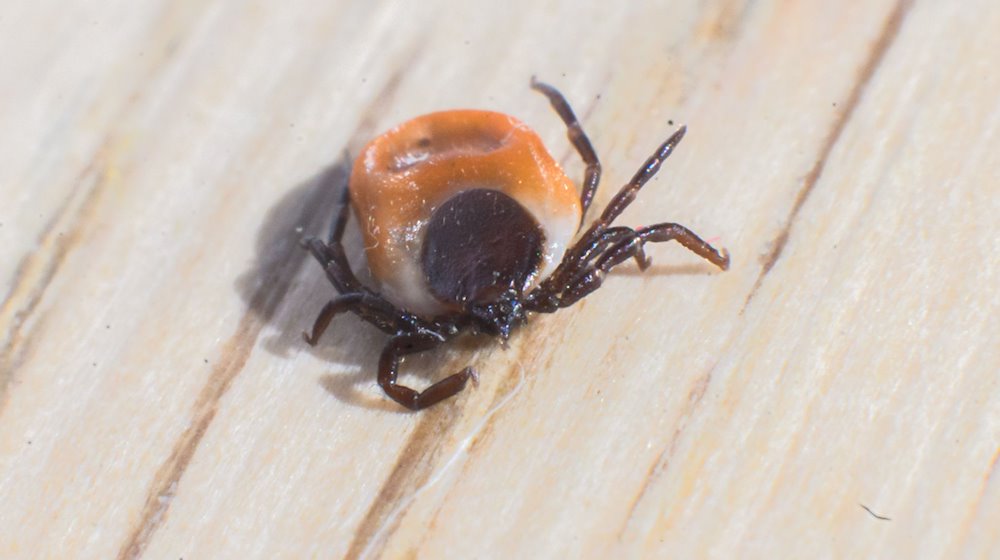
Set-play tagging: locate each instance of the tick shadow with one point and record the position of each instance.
(694, 269)
(286, 288)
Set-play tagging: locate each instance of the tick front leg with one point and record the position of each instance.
(599, 239)
(591, 278)
(675, 232)
(388, 370)
(584, 252)
(627, 194)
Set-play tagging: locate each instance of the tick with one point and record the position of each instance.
(469, 224)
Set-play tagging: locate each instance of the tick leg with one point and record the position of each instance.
(388, 369)
(371, 308)
(330, 310)
(355, 297)
(628, 192)
(334, 263)
(576, 135)
(331, 255)
(591, 278)
(598, 249)
(675, 232)
(545, 298)
(585, 253)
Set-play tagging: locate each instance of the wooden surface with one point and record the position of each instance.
(159, 161)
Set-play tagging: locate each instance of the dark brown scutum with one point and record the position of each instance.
(478, 245)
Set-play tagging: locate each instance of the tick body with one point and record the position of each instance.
(470, 225)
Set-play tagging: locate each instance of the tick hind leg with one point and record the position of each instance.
(355, 296)
(592, 176)
(331, 255)
(388, 370)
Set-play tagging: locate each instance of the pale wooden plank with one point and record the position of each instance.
(159, 402)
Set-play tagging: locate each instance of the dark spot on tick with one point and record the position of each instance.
(480, 244)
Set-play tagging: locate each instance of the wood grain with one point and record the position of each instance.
(835, 394)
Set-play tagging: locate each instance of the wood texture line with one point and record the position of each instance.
(890, 30)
